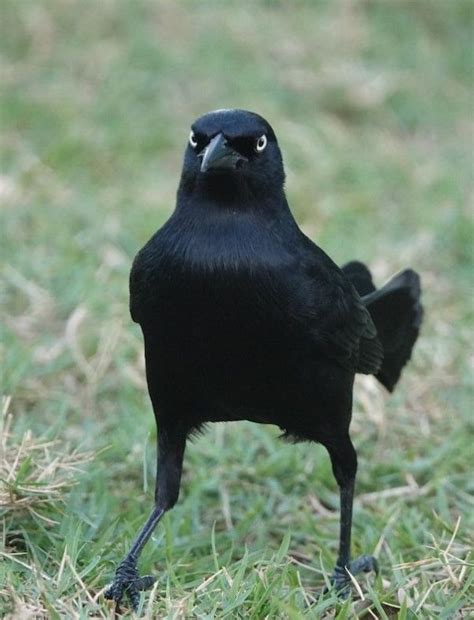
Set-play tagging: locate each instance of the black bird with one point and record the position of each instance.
(245, 318)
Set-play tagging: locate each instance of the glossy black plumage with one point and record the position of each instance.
(244, 317)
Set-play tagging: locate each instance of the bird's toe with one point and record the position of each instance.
(364, 564)
(341, 579)
(127, 582)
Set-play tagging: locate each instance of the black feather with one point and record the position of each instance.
(245, 318)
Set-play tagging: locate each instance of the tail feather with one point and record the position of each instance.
(397, 313)
(360, 277)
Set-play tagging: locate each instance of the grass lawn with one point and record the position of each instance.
(372, 104)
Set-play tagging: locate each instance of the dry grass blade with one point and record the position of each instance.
(34, 472)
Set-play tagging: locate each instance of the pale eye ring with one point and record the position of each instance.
(192, 139)
(261, 143)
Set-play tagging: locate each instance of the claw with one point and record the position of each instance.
(341, 581)
(128, 582)
(364, 564)
(340, 577)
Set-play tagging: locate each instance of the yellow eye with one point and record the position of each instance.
(261, 143)
(192, 139)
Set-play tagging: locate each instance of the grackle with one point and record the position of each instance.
(244, 318)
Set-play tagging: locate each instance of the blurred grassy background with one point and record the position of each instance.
(372, 104)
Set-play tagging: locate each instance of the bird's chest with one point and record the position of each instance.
(224, 333)
(217, 316)
(217, 306)
(218, 278)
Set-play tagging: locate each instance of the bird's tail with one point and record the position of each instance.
(397, 313)
(360, 277)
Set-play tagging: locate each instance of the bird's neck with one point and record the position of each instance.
(233, 198)
(207, 234)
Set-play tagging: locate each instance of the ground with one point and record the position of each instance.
(371, 101)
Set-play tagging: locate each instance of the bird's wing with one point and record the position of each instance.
(339, 322)
(141, 285)
(135, 287)
(351, 335)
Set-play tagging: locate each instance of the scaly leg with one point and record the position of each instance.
(169, 466)
(344, 464)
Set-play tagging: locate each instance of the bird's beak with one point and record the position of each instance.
(218, 155)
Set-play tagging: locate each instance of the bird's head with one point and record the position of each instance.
(232, 154)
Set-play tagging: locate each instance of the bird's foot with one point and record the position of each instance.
(128, 582)
(341, 579)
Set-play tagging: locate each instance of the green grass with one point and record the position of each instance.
(371, 101)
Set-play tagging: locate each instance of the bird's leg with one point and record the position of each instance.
(344, 463)
(345, 525)
(169, 466)
(127, 580)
